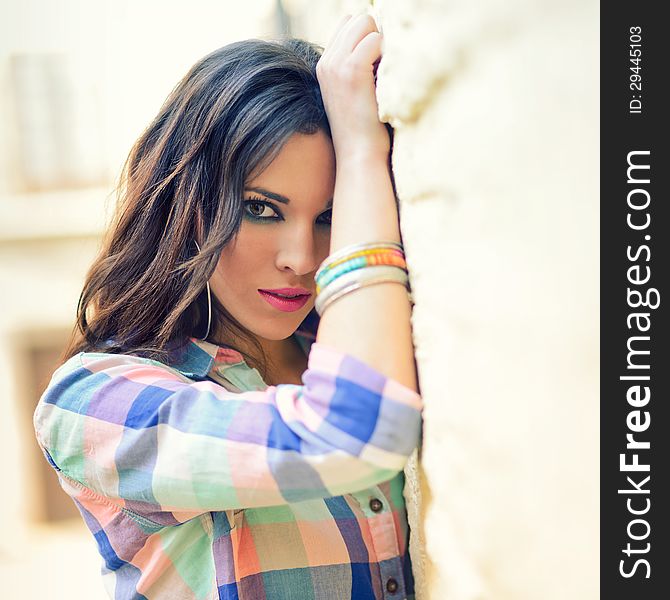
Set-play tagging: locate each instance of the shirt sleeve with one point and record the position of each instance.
(141, 434)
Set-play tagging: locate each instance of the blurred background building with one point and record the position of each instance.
(496, 166)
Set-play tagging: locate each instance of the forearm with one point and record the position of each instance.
(371, 323)
(189, 465)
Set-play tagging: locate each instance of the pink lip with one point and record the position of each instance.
(288, 291)
(284, 304)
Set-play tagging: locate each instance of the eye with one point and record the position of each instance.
(327, 217)
(255, 208)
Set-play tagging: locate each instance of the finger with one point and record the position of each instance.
(358, 28)
(338, 29)
(369, 50)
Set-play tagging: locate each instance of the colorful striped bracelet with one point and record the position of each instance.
(384, 256)
(346, 252)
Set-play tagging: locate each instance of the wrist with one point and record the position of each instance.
(361, 157)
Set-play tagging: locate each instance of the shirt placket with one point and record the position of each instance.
(377, 508)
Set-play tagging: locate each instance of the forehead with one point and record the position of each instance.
(304, 168)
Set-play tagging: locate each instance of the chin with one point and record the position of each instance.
(275, 334)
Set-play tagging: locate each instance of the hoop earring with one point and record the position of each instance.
(209, 304)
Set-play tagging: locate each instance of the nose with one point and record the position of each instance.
(302, 250)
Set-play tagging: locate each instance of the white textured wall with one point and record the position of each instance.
(495, 107)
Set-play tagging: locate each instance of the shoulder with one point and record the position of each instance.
(109, 365)
(91, 379)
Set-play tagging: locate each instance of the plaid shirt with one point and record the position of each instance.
(197, 480)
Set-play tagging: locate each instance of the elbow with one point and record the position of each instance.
(378, 421)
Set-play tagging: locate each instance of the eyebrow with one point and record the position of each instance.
(279, 197)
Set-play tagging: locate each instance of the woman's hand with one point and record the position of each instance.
(346, 74)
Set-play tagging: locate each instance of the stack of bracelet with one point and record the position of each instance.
(356, 266)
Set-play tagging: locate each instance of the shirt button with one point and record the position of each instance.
(376, 504)
(391, 585)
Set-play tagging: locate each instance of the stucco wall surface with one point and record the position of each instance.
(495, 109)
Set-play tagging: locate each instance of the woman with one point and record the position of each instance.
(219, 439)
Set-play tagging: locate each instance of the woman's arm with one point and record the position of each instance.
(144, 436)
(372, 323)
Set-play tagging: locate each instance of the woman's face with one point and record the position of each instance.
(280, 245)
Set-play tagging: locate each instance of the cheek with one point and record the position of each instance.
(253, 248)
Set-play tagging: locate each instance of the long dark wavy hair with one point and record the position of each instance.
(183, 182)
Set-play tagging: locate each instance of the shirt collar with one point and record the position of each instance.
(197, 358)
